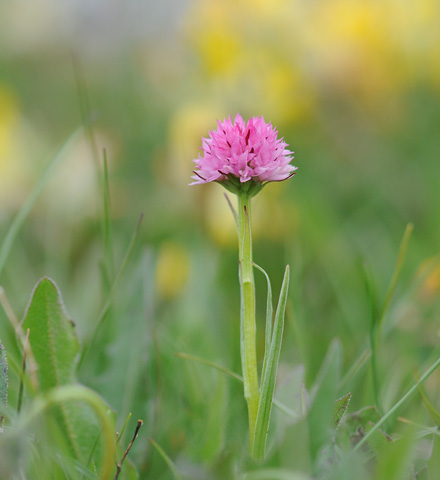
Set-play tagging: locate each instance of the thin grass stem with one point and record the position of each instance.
(397, 405)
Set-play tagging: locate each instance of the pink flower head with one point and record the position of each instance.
(243, 156)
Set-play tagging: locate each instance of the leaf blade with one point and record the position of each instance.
(3, 379)
(269, 315)
(269, 375)
(52, 336)
(55, 348)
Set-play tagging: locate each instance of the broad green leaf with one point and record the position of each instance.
(323, 394)
(269, 374)
(52, 336)
(55, 347)
(3, 379)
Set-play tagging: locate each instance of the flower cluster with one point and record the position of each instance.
(240, 155)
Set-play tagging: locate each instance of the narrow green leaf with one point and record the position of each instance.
(114, 286)
(323, 394)
(355, 368)
(55, 347)
(397, 405)
(269, 374)
(236, 376)
(225, 370)
(269, 317)
(432, 411)
(108, 241)
(396, 274)
(3, 379)
(373, 333)
(33, 196)
(167, 460)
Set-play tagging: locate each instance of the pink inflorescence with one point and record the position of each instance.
(237, 153)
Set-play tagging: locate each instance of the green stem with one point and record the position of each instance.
(247, 317)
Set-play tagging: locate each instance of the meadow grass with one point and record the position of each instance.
(153, 292)
(174, 364)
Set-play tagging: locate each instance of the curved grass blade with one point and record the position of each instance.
(236, 376)
(33, 196)
(188, 356)
(269, 375)
(167, 460)
(269, 315)
(390, 412)
(431, 410)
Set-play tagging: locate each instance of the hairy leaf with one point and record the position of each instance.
(55, 347)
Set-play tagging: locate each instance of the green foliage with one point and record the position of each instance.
(55, 347)
(52, 336)
(340, 408)
(3, 379)
(323, 394)
(270, 367)
(368, 166)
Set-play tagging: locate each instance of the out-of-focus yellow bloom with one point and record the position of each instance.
(277, 57)
(8, 123)
(188, 124)
(15, 139)
(274, 218)
(218, 216)
(171, 270)
(74, 183)
(245, 61)
(429, 272)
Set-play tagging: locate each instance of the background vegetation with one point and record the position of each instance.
(354, 87)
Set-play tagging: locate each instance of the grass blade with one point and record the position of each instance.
(27, 206)
(236, 376)
(114, 286)
(3, 380)
(188, 356)
(108, 242)
(269, 315)
(433, 367)
(167, 460)
(373, 333)
(432, 412)
(269, 375)
(396, 274)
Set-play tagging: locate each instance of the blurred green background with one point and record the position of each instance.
(354, 88)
